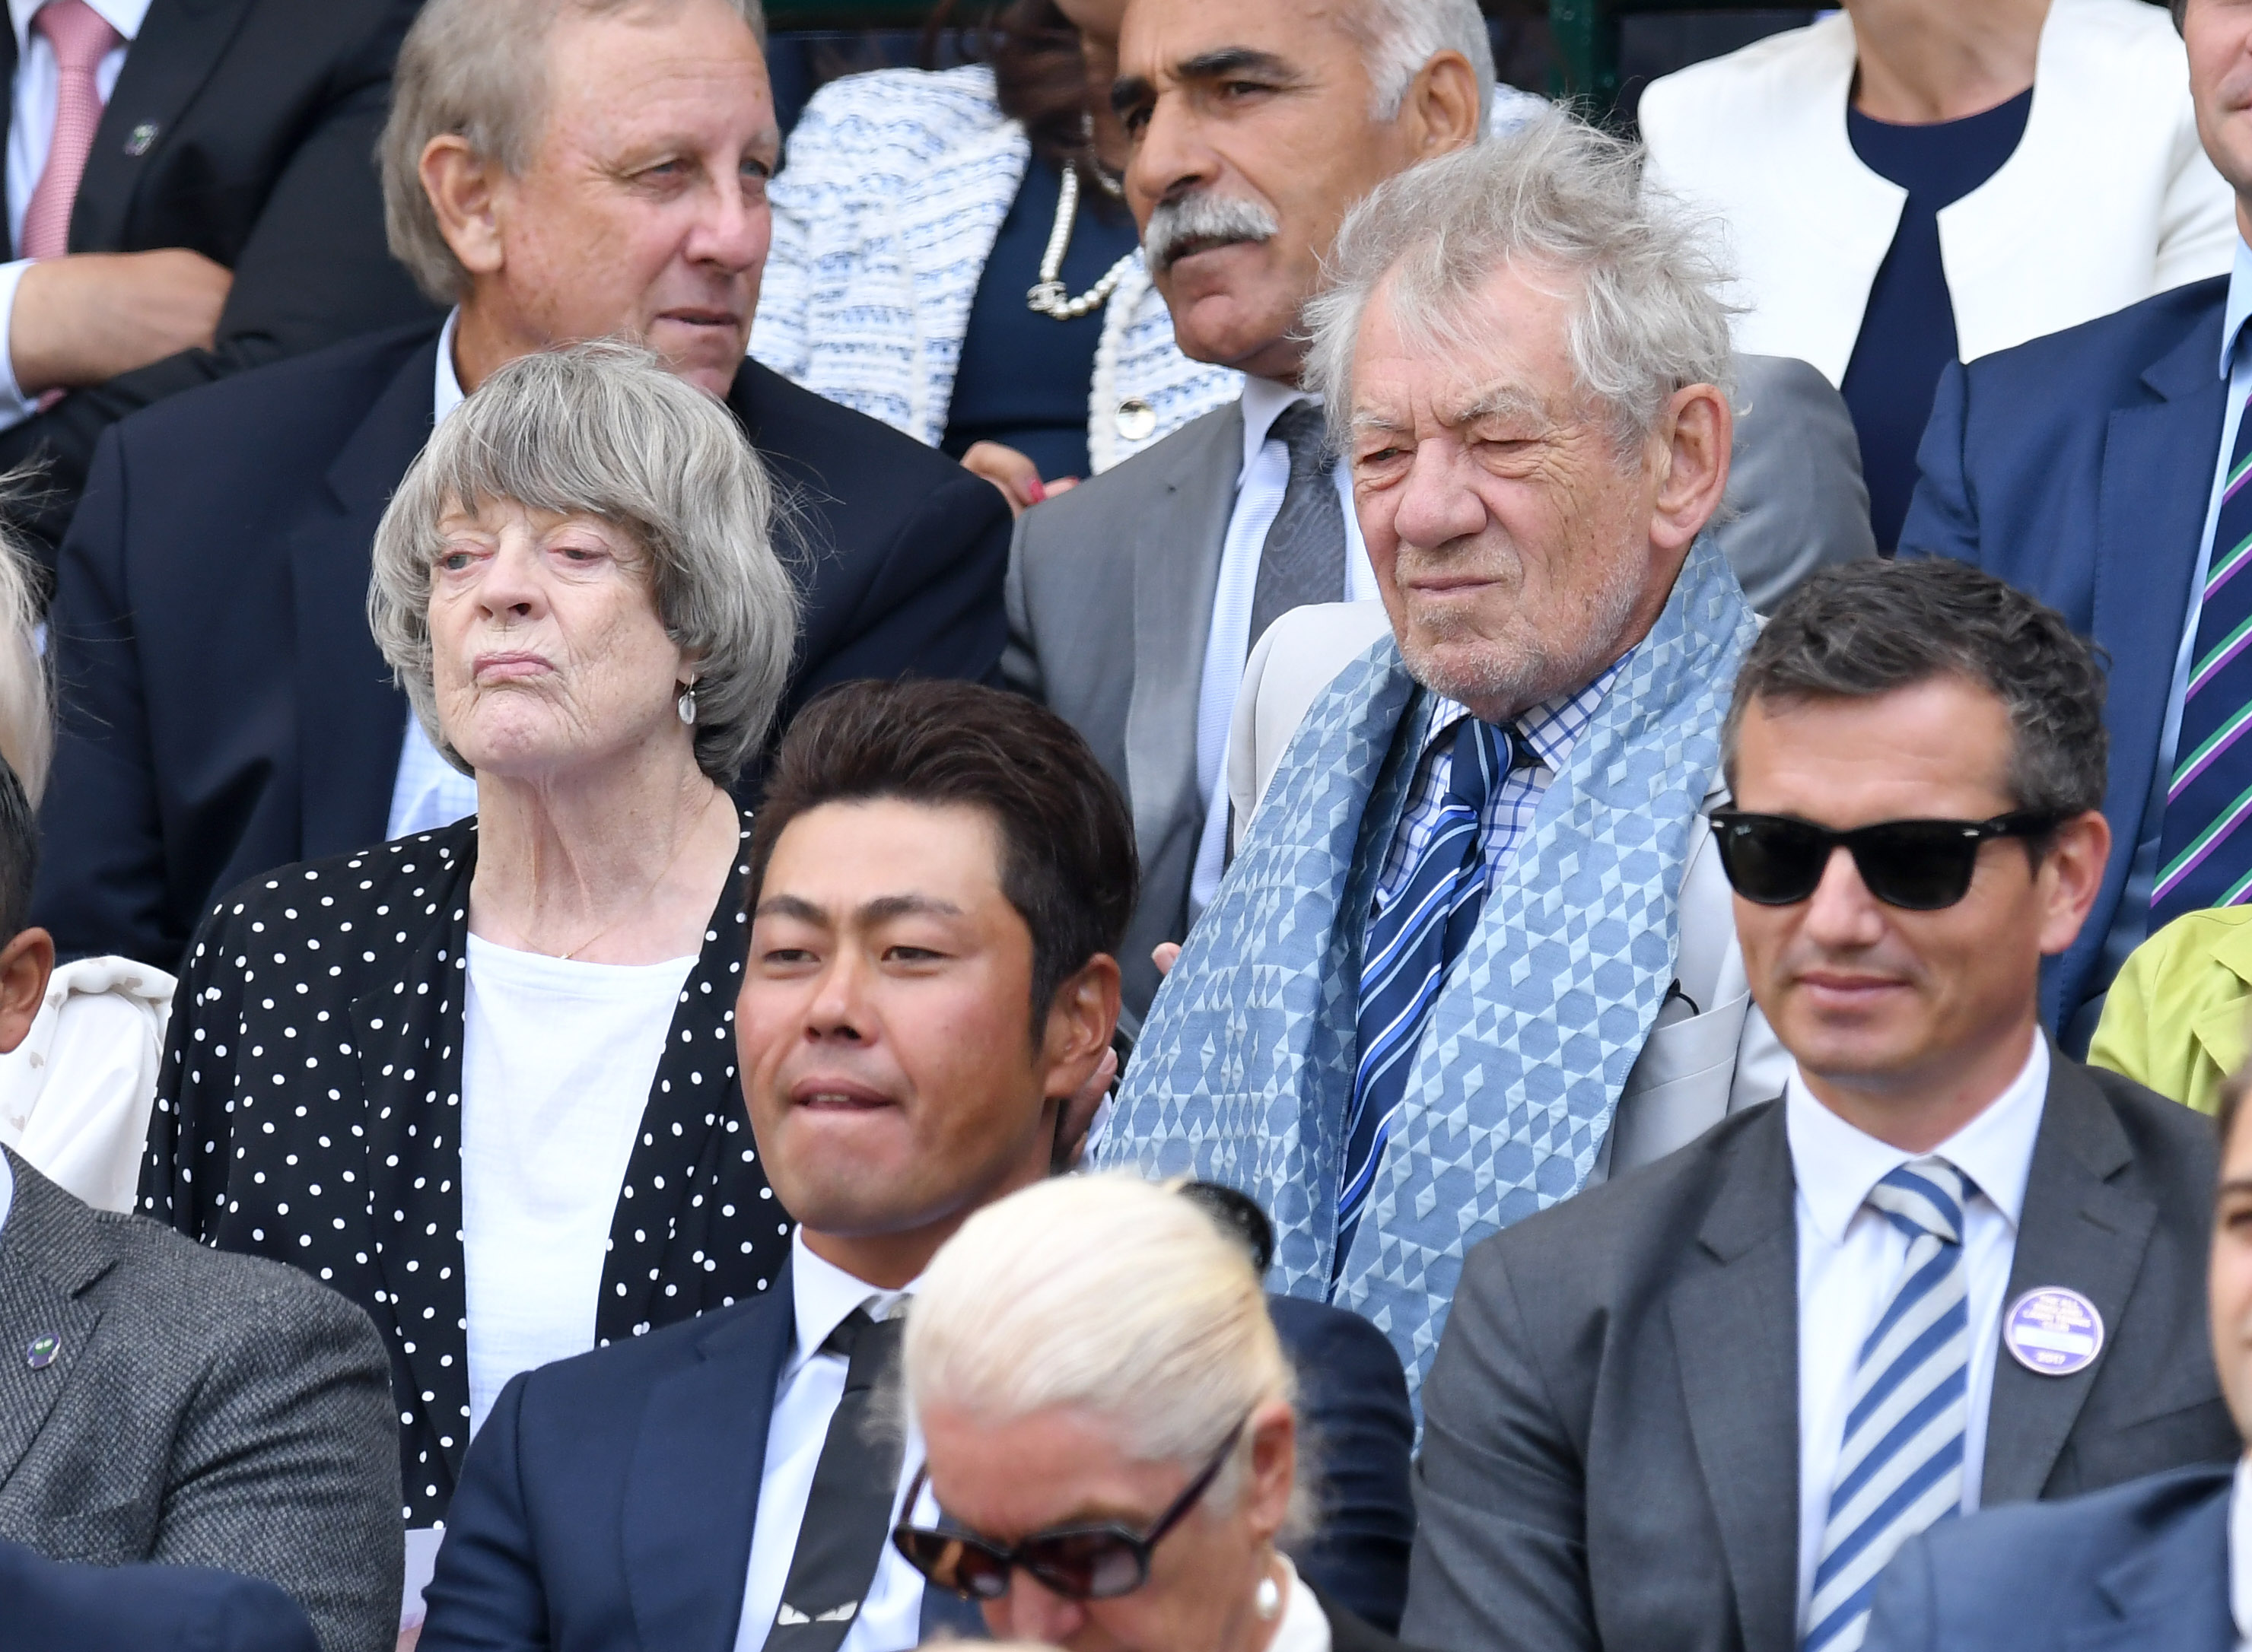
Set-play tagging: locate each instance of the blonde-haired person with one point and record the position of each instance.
(1110, 1429)
(2178, 1018)
(76, 1093)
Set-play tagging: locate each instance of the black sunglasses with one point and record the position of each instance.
(1080, 1562)
(1922, 865)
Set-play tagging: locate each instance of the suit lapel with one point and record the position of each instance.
(692, 1492)
(2080, 1232)
(51, 1250)
(351, 716)
(2158, 473)
(2173, 1591)
(1176, 569)
(179, 44)
(1736, 1334)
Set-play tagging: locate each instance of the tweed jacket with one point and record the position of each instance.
(310, 1104)
(196, 1409)
(887, 207)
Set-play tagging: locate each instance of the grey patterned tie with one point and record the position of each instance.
(1303, 558)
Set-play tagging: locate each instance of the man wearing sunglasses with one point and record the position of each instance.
(932, 861)
(1703, 1405)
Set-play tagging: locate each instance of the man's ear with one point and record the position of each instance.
(2071, 872)
(1078, 1065)
(1443, 102)
(1698, 428)
(26, 964)
(464, 190)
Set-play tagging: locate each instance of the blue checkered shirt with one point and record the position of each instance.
(1549, 730)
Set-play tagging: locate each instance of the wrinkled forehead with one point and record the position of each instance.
(1496, 350)
(621, 73)
(1171, 42)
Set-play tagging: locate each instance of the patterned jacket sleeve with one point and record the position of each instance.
(183, 1174)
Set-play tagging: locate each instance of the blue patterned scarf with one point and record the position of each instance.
(1244, 1070)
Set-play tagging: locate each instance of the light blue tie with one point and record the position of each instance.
(1900, 1466)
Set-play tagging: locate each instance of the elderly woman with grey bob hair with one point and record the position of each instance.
(1110, 1428)
(482, 1079)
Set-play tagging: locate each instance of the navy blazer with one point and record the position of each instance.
(2078, 467)
(606, 1504)
(49, 1605)
(2140, 1567)
(224, 708)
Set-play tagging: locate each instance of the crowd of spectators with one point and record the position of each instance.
(1204, 840)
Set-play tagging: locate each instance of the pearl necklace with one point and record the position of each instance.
(1050, 296)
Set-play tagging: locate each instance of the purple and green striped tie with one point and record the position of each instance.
(2205, 852)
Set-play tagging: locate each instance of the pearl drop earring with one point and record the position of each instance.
(1268, 1602)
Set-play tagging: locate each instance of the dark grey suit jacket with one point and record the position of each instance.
(1111, 585)
(199, 1409)
(1611, 1445)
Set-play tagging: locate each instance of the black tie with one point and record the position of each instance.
(848, 1513)
(1303, 558)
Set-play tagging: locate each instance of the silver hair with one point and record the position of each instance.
(474, 69)
(602, 430)
(1109, 1294)
(1202, 217)
(1399, 36)
(1558, 195)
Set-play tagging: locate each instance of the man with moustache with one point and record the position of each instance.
(557, 170)
(1475, 950)
(1950, 1268)
(932, 861)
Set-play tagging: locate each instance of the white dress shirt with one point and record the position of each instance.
(890, 1619)
(428, 792)
(1850, 1260)
(7, 1191)
(1259, 488)
(31, 132)
(2239, 1535)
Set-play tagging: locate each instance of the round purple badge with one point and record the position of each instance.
(2053, 1331)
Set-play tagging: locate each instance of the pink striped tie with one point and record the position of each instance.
(82, 38)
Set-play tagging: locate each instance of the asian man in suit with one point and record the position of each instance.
(2155, 1565)
(190, 192)
(1949, 1267)
(225, 709)
(2100, 469)
(933, 859)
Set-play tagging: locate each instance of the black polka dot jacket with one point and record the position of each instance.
(310, 1111)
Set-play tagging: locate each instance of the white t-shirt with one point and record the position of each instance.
(557, 1062)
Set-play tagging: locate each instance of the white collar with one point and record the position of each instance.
(1836, 1165)
(7, 1191)
(1264, 400)
(447, 394)
(124, 16)
(1305, 1626)
(823, 1296)
(2239, 1548)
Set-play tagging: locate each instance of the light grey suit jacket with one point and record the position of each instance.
(1111, 592)
(1610, 1430)
(199, 1409)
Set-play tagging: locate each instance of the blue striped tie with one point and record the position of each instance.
(2202, 860)
(1405, 957)
(1900, 1465)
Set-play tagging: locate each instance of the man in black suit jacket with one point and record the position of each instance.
(225, 710)
(1656, 1407)
(931, 855)
(228, 215)
(143, 1608)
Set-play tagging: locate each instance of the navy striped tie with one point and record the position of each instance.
(2205, 856)
(1406, 955)
(1899, 1464)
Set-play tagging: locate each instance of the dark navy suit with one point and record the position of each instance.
(2143, 1566)
(2078, 467)
(46, 1606)
(606, 1505)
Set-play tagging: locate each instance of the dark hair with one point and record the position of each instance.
(1871, 628)
(1067, 861)
(1039, 75)
(19, 856)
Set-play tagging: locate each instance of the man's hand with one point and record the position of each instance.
(86, 318)
(1017, 477)
(1163, 954)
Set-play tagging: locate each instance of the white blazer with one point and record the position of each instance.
(885, 212)
(1711, 1052)
(2107, 199)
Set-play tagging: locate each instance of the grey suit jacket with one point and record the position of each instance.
(199, 1409)
(1611, 1445)
(1110, 595)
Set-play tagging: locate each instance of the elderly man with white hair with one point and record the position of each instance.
(1476, 950)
